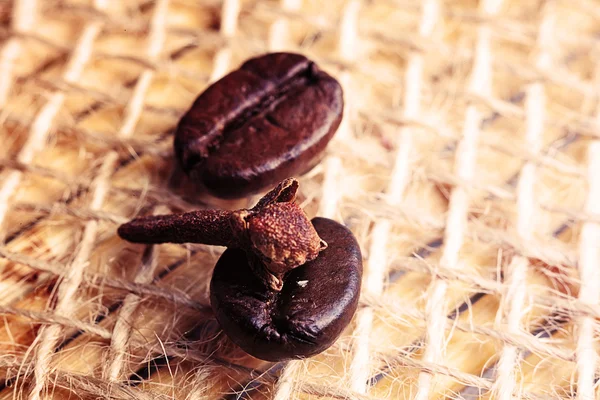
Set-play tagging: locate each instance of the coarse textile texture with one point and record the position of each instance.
(466, 165)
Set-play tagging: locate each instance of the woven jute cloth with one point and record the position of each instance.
(467, 165)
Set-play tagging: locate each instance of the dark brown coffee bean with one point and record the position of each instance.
(316, 303)
(268, 120)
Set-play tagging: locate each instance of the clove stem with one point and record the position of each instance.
(211, 227)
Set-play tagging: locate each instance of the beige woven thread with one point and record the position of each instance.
(47, 339)
(458, 206)
(66, 292)
(516, 272)
(587, 353)
(465, 165)
(23, 19)
(122, 331)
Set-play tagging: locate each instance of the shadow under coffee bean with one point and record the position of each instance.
(266, 121)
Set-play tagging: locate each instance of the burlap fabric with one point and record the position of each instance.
(467, 165)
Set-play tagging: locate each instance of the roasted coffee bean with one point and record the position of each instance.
(268, 120)
(316, 303)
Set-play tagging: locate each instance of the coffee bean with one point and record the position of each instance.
(316, 303)
(264, 122)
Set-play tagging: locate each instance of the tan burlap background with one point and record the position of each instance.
(467, 165)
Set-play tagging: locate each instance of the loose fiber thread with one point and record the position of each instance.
(378, 259)
(286, 383)
(53, 318)
(332, 392)
(515, 274)
(98, 388)
(459, 200)
(49, 337)
(168, 350)
(199, 387)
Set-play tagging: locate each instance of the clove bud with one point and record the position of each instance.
(276, 233)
